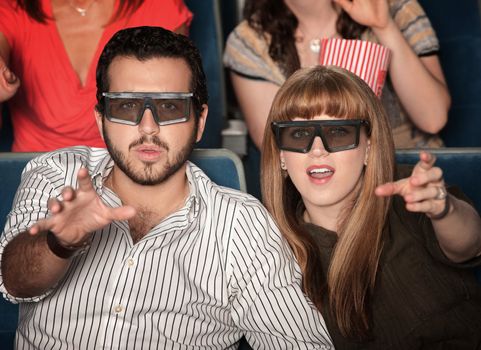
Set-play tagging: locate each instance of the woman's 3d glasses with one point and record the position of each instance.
(129, 107)
(336, 135)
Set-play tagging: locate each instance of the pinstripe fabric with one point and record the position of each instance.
(209, 273)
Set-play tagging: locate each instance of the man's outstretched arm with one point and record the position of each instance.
(35, 260)
(29, 267)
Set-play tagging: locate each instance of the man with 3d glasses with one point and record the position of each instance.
(133, 247)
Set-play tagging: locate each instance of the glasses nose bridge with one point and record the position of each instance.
(149, 126)
(148, 104)
(318, 133)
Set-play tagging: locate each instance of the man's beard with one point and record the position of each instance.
(150, 177)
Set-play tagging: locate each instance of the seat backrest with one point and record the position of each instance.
(206, 33)
(231, 15)
(458, 27)
(223, 166)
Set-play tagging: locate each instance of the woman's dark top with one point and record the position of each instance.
(421, 299)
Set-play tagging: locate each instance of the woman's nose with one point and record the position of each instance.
(317, 148)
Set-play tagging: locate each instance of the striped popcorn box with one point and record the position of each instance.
(366, 59)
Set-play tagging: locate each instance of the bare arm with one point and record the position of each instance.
(29, 266)
(419, 82)
(459, 232)
(255, 98)
(459, 229)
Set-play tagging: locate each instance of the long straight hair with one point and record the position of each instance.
(333, 91)
(34, 9)
(274, 18)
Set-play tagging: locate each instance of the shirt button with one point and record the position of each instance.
(130, 262)
(98, 184)
(118, 309)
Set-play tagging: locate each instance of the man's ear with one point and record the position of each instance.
(99, 121)
(201, 122)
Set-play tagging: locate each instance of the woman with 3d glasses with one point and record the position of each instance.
(386, 262)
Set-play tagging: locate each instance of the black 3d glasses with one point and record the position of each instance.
(129, 107)
(336, 135)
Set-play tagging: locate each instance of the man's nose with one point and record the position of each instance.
(148, 124)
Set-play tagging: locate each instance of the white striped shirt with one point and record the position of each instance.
(206, 275)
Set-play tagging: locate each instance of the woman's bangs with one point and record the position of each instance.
(307, 102)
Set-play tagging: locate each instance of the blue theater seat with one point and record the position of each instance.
(206, 33)
(458, 27)
(223, 166)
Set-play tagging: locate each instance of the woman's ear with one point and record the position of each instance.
(368, 148)
(283, 161)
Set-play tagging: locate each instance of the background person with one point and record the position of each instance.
(133, 247)
(277, 37)
(48, 52)
(386, 271)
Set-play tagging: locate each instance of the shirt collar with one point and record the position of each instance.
(192, 204)
(101, 171)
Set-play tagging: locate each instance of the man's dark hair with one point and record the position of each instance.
(144, 43)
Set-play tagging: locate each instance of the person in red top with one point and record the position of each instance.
(48, 57)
